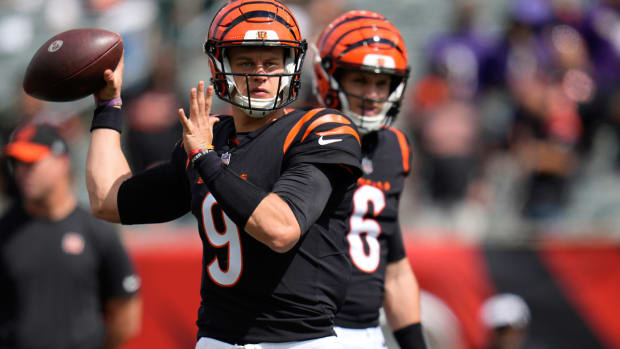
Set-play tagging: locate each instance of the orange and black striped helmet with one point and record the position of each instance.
(365, 41)
(255, 23)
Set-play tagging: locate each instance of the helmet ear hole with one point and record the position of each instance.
(327, 63)
(329, 99)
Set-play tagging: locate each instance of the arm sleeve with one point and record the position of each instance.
(117, 278)
(157, 195)
(306, 189)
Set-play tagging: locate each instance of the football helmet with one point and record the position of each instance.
(255, 23)
(364, 41)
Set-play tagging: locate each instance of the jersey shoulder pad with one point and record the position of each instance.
(322, 127)
(404, 146)
(323, 136)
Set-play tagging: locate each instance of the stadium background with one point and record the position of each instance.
(511, 110)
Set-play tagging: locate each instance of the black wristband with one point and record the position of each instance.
(237, 197)
(410, 337)
(200, 154)
(107, 117)
(209, 166)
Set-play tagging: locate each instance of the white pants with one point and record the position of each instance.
(319, 343)
(358, 338)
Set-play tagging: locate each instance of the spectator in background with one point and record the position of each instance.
(450, 152)
(444, 118)
(460, 55)
(506, 316)
(67, 281)
(538, 58)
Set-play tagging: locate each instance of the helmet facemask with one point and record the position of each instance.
(226, 87)
(390, 105)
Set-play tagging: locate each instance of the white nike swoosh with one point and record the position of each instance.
(328, 141)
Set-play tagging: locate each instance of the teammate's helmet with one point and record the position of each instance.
(365, 41)
(255, 23)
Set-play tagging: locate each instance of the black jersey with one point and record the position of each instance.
(250, 293)
(374, 237)
(55, 278)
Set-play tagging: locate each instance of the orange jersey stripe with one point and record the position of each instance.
(293, 132)
(404, 147)
(323, 119)
(342, 130)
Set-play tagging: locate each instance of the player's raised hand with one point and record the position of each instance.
(198, 128)
(114, 82)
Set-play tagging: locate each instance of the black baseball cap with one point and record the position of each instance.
(32, 142)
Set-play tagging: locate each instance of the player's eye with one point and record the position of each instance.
(272, 65)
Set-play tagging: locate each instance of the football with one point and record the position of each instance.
(70, 65)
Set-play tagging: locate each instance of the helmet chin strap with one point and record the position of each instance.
(261, 103)
(365, 123)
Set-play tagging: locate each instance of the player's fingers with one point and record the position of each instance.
(213, 120)
(209, 100)
(193, 104)
(184, 121)
(201, 97)
(108, 76)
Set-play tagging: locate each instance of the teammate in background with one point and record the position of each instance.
(361, 69)
(266, 185)
(67, 281)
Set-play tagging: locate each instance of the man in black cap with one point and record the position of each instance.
(67, 281)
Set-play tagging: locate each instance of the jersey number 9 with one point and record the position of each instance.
(222, 232)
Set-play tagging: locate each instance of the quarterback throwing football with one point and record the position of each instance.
(267, 185)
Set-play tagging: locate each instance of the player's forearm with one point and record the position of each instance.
(263, 215)
(402, 295)
(106, 169)
(274, 224)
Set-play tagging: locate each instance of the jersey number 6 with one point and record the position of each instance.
(364, 195)
(226, 235)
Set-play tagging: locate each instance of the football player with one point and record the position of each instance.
(267, 186)
(361, 69)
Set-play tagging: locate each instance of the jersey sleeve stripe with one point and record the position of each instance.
(404, 147)
(295, 130)
(342, 130)
(324, 119)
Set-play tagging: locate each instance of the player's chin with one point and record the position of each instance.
(261, 94)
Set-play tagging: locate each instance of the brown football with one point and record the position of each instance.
(70, 65)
